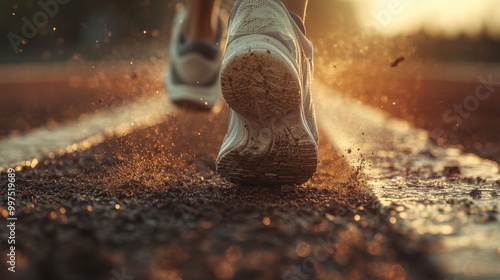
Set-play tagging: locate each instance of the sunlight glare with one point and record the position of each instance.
(450, 18)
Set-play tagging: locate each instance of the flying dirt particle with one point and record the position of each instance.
(397, 61)
(475, 193)
(233, 253)
(449, 171)
(349, 151)
(207, 225)
(492, 215)
(303, 249)
(497, 184)
(224, 270)
(330, 217)
(397, 272)
(51, 123)
(474, 181)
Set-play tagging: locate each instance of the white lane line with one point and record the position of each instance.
(405, 171)
(50, 72)
(82, 134)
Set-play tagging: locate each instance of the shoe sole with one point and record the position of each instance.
(192, 97)
(262, 86)
(191, 104)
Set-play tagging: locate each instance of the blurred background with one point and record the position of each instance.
(415, 59)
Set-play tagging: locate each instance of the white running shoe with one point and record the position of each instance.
(192, 78)
(266, 76)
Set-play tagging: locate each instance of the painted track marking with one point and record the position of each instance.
(407, 173)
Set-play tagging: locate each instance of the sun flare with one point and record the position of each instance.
(450, 18)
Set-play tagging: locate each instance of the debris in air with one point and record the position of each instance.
(450, 171)
(475, 193)
(397, 61)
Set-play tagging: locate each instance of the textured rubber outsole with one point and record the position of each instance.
(265, 91)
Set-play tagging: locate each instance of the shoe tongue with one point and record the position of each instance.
(299, 22)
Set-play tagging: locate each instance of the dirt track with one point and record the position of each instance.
(150, 202)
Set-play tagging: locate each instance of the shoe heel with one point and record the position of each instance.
(258, 79)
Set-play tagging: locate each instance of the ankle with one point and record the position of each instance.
(199, 24)
(197, 32)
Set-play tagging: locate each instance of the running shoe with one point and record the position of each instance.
(192, 78)
(266, 76)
